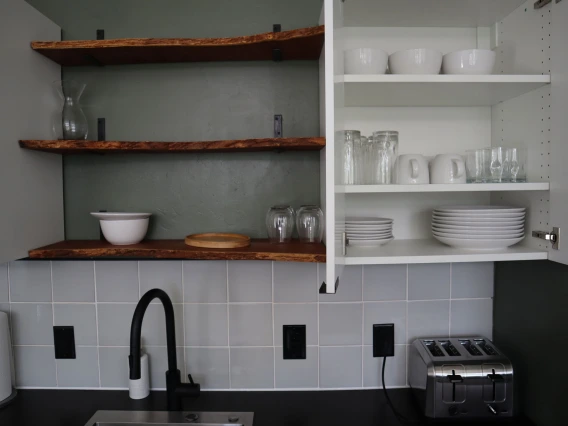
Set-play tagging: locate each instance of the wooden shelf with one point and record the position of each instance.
(82, 146)
(468, 187)
(300, 44)
(436, 90)
(176, 249)
(432, 251)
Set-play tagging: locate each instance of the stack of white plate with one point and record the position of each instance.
(368, 231)
(479, 227)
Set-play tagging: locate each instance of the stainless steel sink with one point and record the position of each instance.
(169, 418)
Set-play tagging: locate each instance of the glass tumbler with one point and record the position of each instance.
(497, 163)
(310, 224)
(350, 139)
(384, 150)
(280, 224)
(361, 159)
(477, 165)
(515, 169)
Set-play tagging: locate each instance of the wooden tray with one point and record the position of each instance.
(218, 240)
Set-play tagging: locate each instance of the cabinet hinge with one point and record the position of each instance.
(344, 243)
(553, 237)
(541, 3)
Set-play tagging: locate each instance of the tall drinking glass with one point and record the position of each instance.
(351, 138)
(515, 169)
(310, 224)
(280, 224)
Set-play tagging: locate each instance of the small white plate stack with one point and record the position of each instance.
(479, 227)
(368, 231)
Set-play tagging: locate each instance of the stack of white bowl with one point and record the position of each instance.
(368, 231)
(479, 227)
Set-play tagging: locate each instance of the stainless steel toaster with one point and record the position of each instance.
(460, 378)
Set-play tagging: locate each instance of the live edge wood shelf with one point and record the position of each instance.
(102, 147)
(176, 249)
(300, 44)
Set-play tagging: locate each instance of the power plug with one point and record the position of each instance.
(383, 340)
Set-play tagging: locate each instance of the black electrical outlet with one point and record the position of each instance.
(64, 338)
(383, 340)
(294, 341)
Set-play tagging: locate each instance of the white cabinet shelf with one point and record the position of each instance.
(432, 251)
(436, 90)
(481, 187)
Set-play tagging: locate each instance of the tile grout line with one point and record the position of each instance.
(53, 320)
(183, 321)
(97, 320)
(228, 323)
(450, 310)
(406, 328)
(273, 337)
(362, 327)
(318, 319)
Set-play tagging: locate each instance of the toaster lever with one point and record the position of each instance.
(454, 378)
(495, 378)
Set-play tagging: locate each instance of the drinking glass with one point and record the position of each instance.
(382, 156)
(477, 164)
(515, 169)
(310, 224)
(350, 140)
(280, 224)
(497, 163)
(361, 160)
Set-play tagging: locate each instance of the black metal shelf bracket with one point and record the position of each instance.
(278, 129)
(101, 129)
(277, 53)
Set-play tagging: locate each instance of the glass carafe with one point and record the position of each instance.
(71, 124)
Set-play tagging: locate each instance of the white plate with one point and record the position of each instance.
(120, 216)
(479, 231)
(479, 244)
(368, 228)
(480, 209)
(478, 237)
(388, 231)
(479, 220)
(483, 215)
(367, 220)
(481, 227)
(384, 237)
(370, 243)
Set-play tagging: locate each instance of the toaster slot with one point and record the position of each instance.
(470, 347)
(485, 347)
(450, 349)
(433, 348)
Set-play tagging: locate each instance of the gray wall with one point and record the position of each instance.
(185, 102)
(229, 318)
(530, 326)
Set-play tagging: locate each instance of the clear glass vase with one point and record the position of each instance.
(71, 123)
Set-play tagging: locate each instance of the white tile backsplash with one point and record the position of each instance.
(229, 319)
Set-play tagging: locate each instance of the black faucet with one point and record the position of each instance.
(175, 388)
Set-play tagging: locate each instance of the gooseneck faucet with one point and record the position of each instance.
(175, 389)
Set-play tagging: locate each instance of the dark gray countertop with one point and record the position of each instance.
(323, 408)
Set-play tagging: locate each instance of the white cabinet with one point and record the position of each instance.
(31, 184)
(523, 103)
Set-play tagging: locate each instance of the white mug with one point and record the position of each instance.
(411, 169)
(447, 168)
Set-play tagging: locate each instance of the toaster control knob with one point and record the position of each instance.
(453, 410)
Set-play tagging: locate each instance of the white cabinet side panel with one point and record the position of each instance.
(524, 41)
(31, 184)
(559, 126)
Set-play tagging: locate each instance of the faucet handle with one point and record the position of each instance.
(190, 379)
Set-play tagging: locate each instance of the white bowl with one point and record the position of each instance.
(365, 60)
(471, 62)
(415, 61)
(122, 229)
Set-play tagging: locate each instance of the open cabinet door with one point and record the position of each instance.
(31, 184)
(559, 130)
(332, 103)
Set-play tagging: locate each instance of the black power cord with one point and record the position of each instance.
(402, 419)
